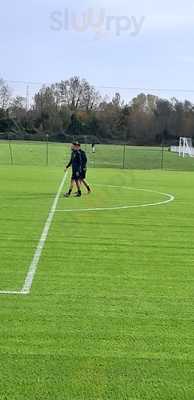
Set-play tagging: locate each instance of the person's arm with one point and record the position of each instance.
(84, 160)
(70, 162)
(79, 160)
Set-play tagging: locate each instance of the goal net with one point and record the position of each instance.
(185, 147)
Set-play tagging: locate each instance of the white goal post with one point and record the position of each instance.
(185, 147)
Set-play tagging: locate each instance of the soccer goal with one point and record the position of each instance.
(185, 147)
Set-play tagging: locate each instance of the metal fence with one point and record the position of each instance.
(105, 156)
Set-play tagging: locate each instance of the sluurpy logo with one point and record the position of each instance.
(97, 21)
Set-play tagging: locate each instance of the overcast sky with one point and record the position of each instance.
(148, 44)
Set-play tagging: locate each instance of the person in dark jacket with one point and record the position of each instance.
(84, 170)
(77, 170)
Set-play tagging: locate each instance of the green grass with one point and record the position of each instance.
(110, 314)
(146, 158)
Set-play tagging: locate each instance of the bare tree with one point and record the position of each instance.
(5, 95)
(76, 94)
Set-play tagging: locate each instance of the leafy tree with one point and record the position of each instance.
(75, 108)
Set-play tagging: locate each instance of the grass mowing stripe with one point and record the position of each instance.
(110, 313)
(34, 264)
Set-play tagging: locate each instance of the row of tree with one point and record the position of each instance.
(73, 108)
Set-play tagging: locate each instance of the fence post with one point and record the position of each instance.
(94, 162)
(10, 150)
(124, 154)
(162, 159)
(47, 149)
(85, 140)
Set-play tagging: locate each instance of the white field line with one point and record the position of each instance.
(34, 264)
(35, 261)
(170, 198)
(36, 258)
(11, 292)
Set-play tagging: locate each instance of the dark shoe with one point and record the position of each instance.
(78, 194)
(66, 195)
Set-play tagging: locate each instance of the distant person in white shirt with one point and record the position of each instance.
(93, 148)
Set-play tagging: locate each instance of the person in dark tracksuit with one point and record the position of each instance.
(84, 170)
(79, 168)
(76, 163)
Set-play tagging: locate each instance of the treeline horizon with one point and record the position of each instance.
(73, 109)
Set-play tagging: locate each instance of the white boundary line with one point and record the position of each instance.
(36, 258)
(11, 292)
(170, 199)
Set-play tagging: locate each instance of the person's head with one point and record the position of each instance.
(75, 146)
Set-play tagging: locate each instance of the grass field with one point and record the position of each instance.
(110, 312)
(148, 158)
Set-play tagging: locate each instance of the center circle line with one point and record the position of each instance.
(169, 199)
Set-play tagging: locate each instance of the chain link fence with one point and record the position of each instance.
(47, 153)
